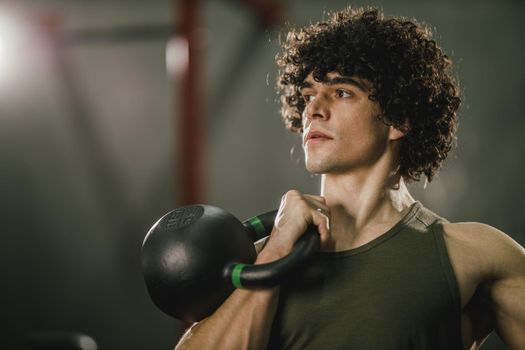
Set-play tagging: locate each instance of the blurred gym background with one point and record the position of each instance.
(108, 120)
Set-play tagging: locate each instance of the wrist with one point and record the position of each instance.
(271, 253)
(266, 257)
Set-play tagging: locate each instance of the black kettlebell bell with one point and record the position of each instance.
(195, 256)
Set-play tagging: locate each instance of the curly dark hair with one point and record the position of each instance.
(409, 74)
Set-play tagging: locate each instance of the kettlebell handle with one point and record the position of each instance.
(271, 274)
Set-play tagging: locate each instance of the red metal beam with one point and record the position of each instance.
(270, 12)
(189, 166)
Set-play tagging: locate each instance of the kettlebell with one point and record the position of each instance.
(193, 258)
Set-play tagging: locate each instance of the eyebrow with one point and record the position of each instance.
(337, 80)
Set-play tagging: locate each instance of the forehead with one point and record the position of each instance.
(333, 78)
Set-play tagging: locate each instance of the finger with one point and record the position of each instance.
(314, 202)
(320, 199)
(322, 222)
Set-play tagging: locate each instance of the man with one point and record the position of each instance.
(376, 106)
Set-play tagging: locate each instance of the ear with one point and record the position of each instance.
(399, 132)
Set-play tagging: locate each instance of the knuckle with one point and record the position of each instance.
(293, 193)
(321, 199)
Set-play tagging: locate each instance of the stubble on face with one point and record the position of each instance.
(359, 138)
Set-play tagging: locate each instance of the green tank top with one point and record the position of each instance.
(396, 292)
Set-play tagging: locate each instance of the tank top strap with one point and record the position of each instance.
(437, 231)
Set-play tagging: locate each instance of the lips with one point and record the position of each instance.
(315, 136)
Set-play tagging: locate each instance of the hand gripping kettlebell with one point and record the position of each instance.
(195, 256)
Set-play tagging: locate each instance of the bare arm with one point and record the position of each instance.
(507, 289)
(497, 263)
(244, 320)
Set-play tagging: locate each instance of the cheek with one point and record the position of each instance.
(365, 133)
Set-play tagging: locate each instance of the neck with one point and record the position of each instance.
(363, 205)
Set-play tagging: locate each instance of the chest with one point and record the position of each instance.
(403, 298)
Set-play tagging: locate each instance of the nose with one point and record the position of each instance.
(316, 109)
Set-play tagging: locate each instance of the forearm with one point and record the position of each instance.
(243, 321)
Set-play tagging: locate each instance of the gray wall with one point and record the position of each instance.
(87, 149)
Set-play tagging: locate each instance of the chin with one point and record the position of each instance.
(326, 167)
(317, 168)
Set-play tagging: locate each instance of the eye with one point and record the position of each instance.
(307, 97)
(343, 93)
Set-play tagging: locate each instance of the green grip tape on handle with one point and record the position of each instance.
(258, 226)
(236, 275)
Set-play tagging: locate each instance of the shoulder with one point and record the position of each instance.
(473, 232)
(501, 286)
(480, 235)
(497, 250)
